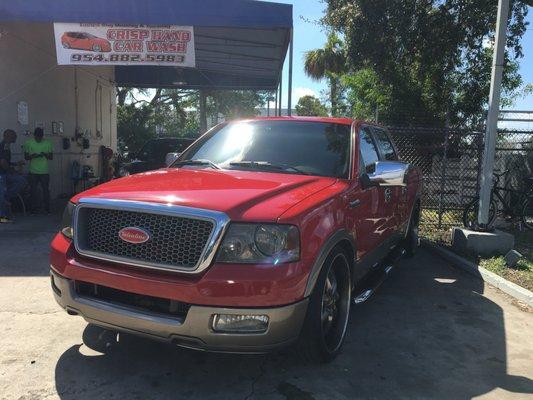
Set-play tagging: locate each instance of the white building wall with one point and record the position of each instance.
(72, 95)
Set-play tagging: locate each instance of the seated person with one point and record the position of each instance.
(11, 183)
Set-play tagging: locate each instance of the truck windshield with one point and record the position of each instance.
(295, 147)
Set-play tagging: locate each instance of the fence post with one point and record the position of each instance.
(444, 165)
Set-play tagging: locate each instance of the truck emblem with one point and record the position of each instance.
(134, 235)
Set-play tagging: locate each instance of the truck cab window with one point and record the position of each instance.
(369, 153)
(385, 146)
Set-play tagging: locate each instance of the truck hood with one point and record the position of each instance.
(242, 195)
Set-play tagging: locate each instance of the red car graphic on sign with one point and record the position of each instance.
(84, 41)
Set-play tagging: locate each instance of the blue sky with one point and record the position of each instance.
(308, 36)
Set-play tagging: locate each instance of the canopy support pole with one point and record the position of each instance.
(276, 103)
(491, 132)
(289, 112)
(280, 93)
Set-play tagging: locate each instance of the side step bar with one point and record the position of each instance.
(377, 278)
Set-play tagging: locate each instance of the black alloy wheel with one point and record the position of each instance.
(328, 310)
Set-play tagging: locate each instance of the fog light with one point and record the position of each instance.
(232, 323)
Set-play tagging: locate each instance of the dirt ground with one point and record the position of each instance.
(430, 332)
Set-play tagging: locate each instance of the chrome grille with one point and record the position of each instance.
(179, 239)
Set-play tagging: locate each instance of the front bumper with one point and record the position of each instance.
(193, 331)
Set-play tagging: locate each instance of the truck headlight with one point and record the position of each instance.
(66, 222)
(260, 243)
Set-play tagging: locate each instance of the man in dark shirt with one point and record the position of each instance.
(10, 182)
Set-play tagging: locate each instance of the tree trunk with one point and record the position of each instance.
(333, 95)
(121, 95)
(203, 112)
(156, 98)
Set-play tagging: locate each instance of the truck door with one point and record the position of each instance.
(395, 207)
(365, 204)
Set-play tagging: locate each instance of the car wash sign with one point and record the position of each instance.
(114, 44)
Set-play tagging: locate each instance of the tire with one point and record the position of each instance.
(66, 45)
(328, 312)
(412, 238)
(527, 213)
(97, 48)
(471, 211)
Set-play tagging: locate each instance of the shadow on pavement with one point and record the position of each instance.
(25, 245)
(428, 332)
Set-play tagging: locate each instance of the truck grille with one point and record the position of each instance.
(175, 241)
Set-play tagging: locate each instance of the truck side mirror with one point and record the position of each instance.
(389, 173)
(170, 158)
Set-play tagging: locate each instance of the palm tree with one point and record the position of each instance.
(328, 63)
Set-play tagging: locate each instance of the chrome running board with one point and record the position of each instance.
(377, 278)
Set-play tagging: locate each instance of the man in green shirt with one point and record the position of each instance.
(38, 151)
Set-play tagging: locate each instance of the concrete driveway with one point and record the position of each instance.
(430, 332)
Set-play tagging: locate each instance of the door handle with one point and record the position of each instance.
(355, 203)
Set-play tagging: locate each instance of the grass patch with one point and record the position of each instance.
(521, 274)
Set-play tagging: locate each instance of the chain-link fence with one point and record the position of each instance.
(450, 160)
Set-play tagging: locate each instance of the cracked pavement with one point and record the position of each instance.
(430, 332)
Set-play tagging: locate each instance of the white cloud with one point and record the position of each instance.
(299, 92)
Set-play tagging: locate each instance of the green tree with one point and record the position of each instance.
(134, 126)
(365, 95)
(328, 62)
(141, 111)
(310, 106)
(433, 55)
(175, 111)
(234, 104)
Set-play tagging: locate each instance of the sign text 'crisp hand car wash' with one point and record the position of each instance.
(116, 44)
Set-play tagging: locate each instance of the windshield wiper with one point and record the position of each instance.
(195, 162)
(267, 165)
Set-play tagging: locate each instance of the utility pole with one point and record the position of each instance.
(291, 51)
(491, 133)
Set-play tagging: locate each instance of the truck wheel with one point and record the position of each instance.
(412, 238)
(328, 311)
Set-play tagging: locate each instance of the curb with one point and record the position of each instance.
(510, 288)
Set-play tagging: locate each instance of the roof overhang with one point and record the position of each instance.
(239, 44)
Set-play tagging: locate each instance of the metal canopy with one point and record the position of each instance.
(240, 44)
(226, 58)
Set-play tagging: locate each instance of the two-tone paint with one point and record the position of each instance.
(322, 208)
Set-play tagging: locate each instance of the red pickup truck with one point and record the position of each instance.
(256, 237)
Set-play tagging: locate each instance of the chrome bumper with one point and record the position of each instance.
(194, 331)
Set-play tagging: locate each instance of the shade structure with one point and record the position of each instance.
(239, 44)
